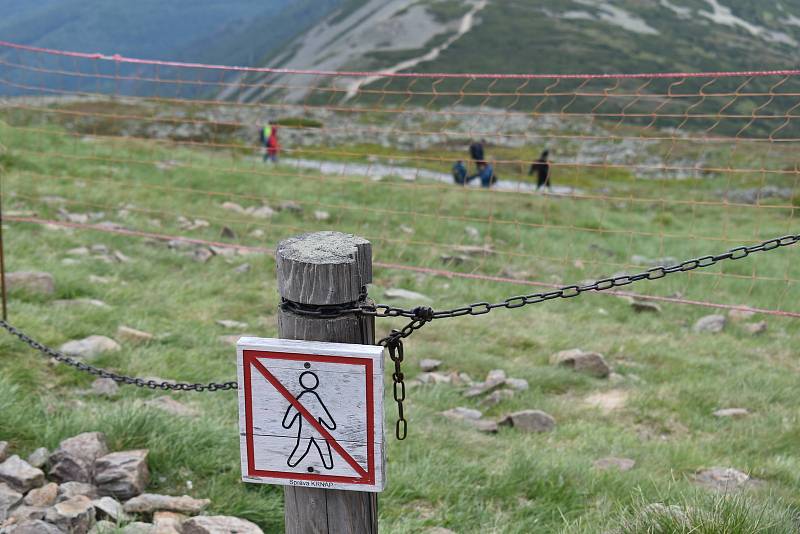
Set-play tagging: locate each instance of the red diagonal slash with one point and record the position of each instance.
(308, 417)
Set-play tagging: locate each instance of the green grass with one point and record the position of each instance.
(444, 474)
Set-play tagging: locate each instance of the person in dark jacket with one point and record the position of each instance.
(460, 173)
(542, 169)
(477, 154)
(486, 174)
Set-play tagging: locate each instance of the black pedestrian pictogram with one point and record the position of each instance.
(312, 402)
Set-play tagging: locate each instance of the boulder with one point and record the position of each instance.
(755, 328)
(105, 386)
(519, 384)
(132, 335)
(138, 527)
(170, 405)
(710, 323)
(243, 268)
(90, 347)
(110, 508)
(320, 215)
(9, 498)
(722, 478)
(497, 396)
(122, 475)
(74, 459)
(233, 206)
(20, 475)
(219, 524)
(42, 497)
(4, 448)
(168, 522)
(262, 212)
(612, 462)
(104, 527)
(31, 281)
(482, 388)
(495, 375)
(202, 255)
(405, 294)
(731, 412)
(429, 365)
(26, 513)
(75, 515)
(33, 526)
(590, 363)
(67, 490)
(460, 413)
(484, 425)
(147, 503)
(530, 421)
(227, 323)
(38, 458)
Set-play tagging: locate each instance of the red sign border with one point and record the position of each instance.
(249, 355)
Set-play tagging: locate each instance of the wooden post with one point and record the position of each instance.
(326, 268)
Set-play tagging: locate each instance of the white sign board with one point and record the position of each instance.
(311, 413)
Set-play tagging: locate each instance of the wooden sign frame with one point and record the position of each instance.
(326, 399)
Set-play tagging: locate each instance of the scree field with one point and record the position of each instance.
(656, 408)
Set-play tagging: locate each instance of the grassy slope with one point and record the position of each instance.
(444, 474)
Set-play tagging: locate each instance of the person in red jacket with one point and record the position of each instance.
(273, 147)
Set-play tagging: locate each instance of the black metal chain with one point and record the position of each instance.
(102, 373)
(419, 316)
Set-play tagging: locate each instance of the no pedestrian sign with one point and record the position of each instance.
(311, 413)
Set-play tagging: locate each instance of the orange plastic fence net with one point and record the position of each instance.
(640, 169)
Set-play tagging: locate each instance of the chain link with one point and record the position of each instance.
(102, 373)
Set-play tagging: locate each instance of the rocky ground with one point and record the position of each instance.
(82, 487)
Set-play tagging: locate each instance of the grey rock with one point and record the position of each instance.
(138, 527)
(20, 475)
(90, 347)
(233, 206)
(731, 412)
(42, 497)
(710, 323)
(147, 503)
(31, 281)
(612, 462)
(320, 215)
(25, 513)
(132, 335)
(74, 459)
(497, 396)
(202, 255)
(590, 363)
(290, 205)
(219, 524)
(460, 413)
(243, 268)
(472, 232)
(429, 365)
(105, 386)
(9, 498)
(33, 526)
(483, 425)
(227, 233)
(120, 257)
(67, 490)
(227, 323)
(434, 378)
(530, 421)
(482, 388)
(4, 449)
(79, 251)
(170, 405)
(38, 458)
(109, 507)
(519, 384)
(122, 475)
(496, 374)
(262, 212)
(722, 478)
(755, 328)
(75, 515)
(168, 522)
(644, 306)
(405, 294)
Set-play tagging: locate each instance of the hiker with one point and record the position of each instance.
(460, 173)
(269, 139)
(486, 174)
(542, 169)
(476, 153)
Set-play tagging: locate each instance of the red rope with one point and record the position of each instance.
(387, 265)
(360, 74)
